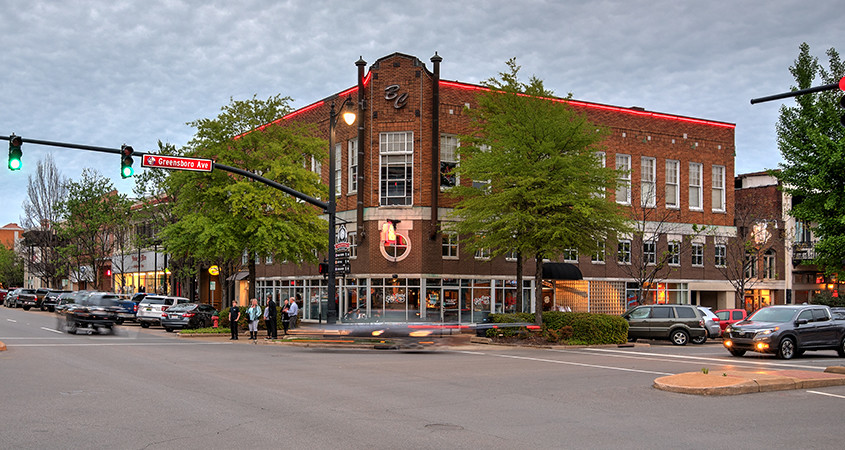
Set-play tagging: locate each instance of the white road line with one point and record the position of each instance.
(825, 393)
(701, 358)
(116, 344)
(553, 361)
(50, 329)
(10, 320)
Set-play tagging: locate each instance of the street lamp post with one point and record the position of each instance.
(349, 118)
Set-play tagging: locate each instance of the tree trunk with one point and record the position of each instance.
(519, 280)
(251, 279)
(538, 290)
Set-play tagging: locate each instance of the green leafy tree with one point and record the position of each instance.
(92, 214)
(812, 142)
(221, 215)
(538, 182)
(11, 268)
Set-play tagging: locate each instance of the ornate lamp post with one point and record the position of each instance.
(349, 118)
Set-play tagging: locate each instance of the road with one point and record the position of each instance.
(149, 389)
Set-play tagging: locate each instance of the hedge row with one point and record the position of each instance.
(586, 328)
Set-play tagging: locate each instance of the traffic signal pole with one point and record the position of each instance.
(827, 87)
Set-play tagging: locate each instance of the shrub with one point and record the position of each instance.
(826, 298)
(586, 328)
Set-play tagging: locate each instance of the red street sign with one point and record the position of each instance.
(177, 163)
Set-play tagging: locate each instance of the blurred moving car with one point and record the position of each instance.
(729, 317)
(64, 301)
(94, 312)
(48, 303)
(711, 322)
(677, 323)
(187, 315)
(151, 307)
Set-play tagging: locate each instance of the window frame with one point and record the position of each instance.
(623, 252)
(623, 162)
(390, 152)
(449, 241)
(718, 187)
(697, 254)
(648, 182)
(698, 169)
(352, 162)
(446, 146)
(673, 182)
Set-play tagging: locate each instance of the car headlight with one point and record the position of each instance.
(766, 331)
(728, 329)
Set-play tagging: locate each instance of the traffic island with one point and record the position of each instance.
(742, 382)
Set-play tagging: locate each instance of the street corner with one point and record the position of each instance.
(699, 383)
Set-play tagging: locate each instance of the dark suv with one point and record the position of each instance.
(677, 323)
(787, 331)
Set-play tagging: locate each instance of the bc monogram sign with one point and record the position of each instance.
(392, 93)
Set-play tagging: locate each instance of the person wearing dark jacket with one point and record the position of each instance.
(234, 317)
(271, 318)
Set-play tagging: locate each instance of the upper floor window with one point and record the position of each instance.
(268, 260)
(338, 169)
(598, 256)
(674, 257)
(673, 186)
(570, 255)
(648, 179)
(623, 251)
(695, 186)
(721, 255)
(650, 252)
(352, 238)
(448, 160)
(602, 157)
(697, 251)
(719, 188)
(352, 149)
(623, 184)
(449, 246)
(769, 268)
(396, 168)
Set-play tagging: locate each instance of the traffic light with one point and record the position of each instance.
(323, 268)
(842, 100)
(15, 152)
(126, 161)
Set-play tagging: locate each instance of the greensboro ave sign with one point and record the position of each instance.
(177, 163)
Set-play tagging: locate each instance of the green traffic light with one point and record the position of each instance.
(15, 152)
(126, 161)
(127, 172)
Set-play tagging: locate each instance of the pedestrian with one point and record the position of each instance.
(270, 317)
(253, 313)
(234, 317)
(285, 318)
(292, 312)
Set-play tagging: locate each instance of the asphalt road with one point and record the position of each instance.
(150, 389)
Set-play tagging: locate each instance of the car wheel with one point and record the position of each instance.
(737, 352)
(168, 329)
(841, 348)
(43, 309)
(26, 308)
(51, 309)
(71, 327)
(679, 337)
(145, 325)
(118, 321)
(699, 340)
(786, 349)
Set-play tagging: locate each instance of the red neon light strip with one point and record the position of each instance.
(605, 107)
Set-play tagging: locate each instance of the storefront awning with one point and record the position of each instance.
(238, 276)
(561, 271)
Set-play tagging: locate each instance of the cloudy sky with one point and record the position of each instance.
(104, 73)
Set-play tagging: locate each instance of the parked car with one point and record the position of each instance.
(711, 322)
(26, 299)
(151, 307)
(94, 312)
(838, 312)
(48, 303)
(187, 315)
(677, 323)
(9, 300)
(127, 309)
(730, 317)
(3, 293)
(787, 331)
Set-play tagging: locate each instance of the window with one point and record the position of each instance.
(719, 188)
(602, 157)
(570, 255)
(448, 160)
(352, 237)
(662, 312)
(673, 187)
(598, 256)
(482, 253)
(750, 266)
(245, 258)
(623, 252)
(674, 253)
(648, 169)
(511, 255)
(721, 252)
(268, 260)
(697, 254)
(769, 271)
(650, 252)
(338, 169)
(685, 312)
(623, 184)
(396, 151)
(695, 186)
(450, 246)
(317, 166)
(352, 157)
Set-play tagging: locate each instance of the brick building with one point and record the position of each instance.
(389, 172)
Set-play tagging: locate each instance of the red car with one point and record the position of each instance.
(729, 317)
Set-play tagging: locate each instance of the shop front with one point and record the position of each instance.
(140, 272)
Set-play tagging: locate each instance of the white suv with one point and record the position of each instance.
(151, 307)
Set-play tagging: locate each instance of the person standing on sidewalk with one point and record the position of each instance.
(285, 318)
(292, 312)
(270, 317)
(234, 317)
(253, 314)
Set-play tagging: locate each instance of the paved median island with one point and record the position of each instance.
(734, 382)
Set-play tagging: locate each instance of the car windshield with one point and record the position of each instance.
(182, 307)
(775, 315)
(153, 301)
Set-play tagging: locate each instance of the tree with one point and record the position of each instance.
(46, 189)
(11, 268)
(812, 142)
(222, 215)
(90, 217)
(537, 177)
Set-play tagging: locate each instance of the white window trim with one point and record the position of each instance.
(675, 184)
(674, 255)
(722, 189)
(408, 151)
(338, 169)
(700, 170)
(720, 248)
(446, 136)
(602, 253)
(648, 178)
(693, 247)
(352, 170)
(618, 243)
(625, 179)
(454, 244)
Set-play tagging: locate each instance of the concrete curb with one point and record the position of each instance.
(738, 382)
(2, 346)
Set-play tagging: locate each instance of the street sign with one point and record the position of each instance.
(177, 163)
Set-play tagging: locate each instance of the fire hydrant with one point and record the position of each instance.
(215, 319)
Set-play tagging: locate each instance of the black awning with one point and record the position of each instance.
(238, 276)
(561, 271)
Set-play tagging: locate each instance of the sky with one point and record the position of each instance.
(106, 73)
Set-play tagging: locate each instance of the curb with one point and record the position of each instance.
(736, 382)
(2, 346)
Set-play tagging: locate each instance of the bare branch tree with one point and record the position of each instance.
(46, 189)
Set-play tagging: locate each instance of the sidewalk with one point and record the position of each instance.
(734, 382)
